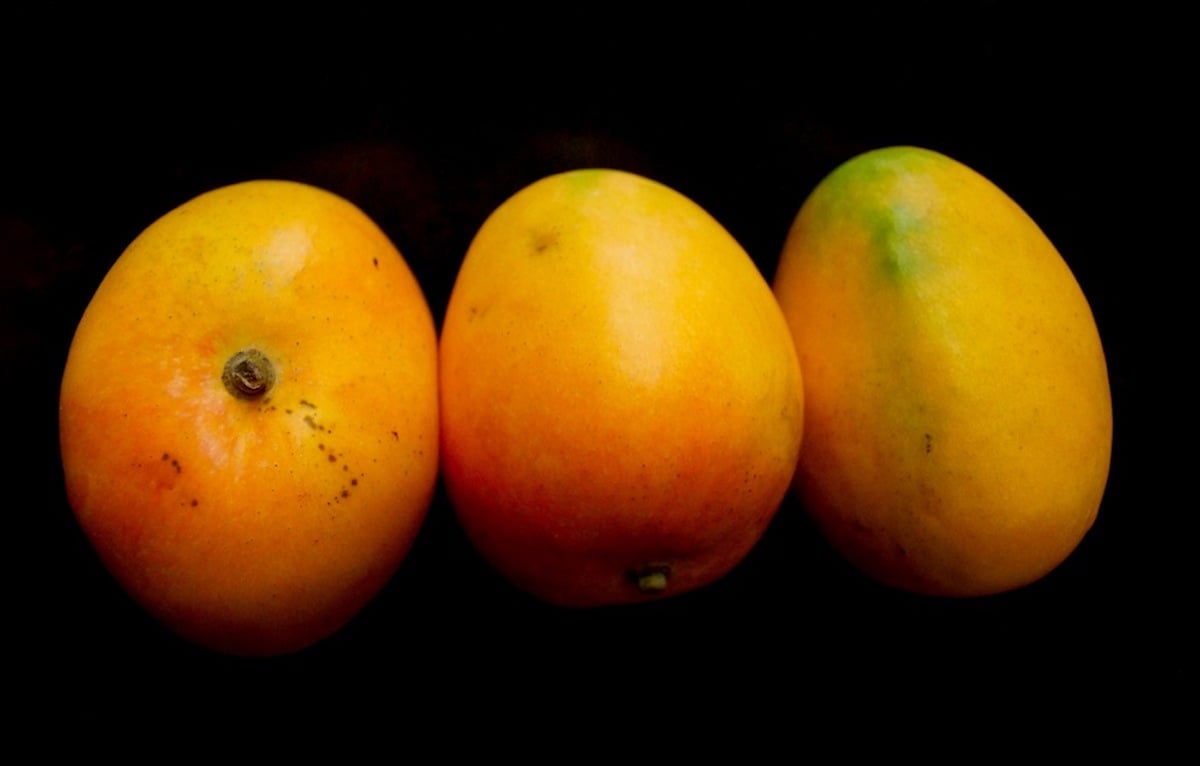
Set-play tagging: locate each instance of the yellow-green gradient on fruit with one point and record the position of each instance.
(958, 419)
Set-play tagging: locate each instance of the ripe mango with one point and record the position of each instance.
(621, 404)
(958, 417)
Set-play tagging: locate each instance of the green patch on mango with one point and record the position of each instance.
(865, 195)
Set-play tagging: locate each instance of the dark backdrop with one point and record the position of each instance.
(428, 122)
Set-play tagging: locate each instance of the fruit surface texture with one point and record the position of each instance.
(958, 423)
(248, 416)
(621, 403)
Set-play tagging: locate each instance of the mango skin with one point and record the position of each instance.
(958, 416)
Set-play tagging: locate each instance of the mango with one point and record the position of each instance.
(958, 416)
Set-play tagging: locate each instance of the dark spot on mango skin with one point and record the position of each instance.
(544, 241)
(310, 419)
(345, 492)
(928, 444)
(174, 463)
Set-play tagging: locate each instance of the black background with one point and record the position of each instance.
(428, 123)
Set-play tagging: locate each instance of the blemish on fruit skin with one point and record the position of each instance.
(893, 235)
(544, 240)
(306, 403)
(173, 461)
(894, 227)
(928, 444)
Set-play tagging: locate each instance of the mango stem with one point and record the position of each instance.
(650, 579)
(248, 374)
